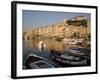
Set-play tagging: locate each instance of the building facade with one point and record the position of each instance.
(61, 29)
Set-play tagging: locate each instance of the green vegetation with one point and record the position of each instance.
(77, 22)
(75, 35)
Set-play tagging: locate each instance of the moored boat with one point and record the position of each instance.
(70, 58)
(36, 62)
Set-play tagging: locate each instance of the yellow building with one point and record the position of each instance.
(61, 29)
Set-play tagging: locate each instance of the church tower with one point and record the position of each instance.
(65, 21)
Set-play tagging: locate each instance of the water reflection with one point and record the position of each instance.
(45, 47)
(41, 47)
(48, 44)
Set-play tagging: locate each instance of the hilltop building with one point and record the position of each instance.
(66, 28)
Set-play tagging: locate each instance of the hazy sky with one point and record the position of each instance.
(33, 19)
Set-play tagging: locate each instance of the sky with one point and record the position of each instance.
(35, 19)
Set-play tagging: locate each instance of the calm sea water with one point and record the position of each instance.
(32, 46)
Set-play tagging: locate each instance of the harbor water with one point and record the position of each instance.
(32, 46)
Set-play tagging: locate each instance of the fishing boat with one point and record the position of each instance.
(70, 57)
(37, 62)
